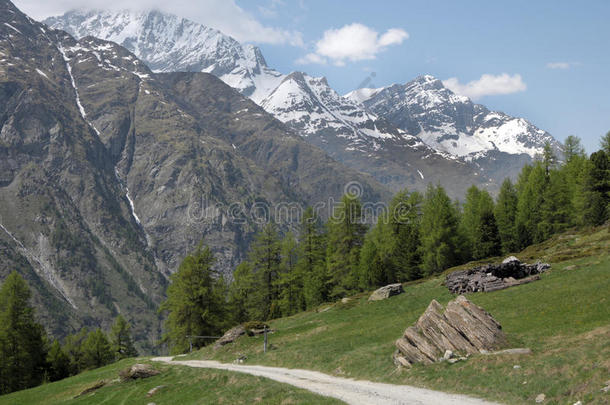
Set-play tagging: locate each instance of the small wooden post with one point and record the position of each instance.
(190, 344)
(265, 342)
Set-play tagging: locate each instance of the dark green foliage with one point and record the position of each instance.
(311, 260)
(97, 351)
(549, 159)
(605, 143)
(346, 232)
(22, 338)
(290, 281)
(506, 212)
(58, 362)
(597, 189)
(440, 233)
(265, 259)
(73, 347)
(529, 208)
(417, 235)
(572, 148)
(478, 216)
(391, 251)
(195, 301)
(122, 342)
(240, 291)
(487, 241)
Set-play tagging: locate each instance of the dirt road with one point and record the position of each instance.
(350, 391)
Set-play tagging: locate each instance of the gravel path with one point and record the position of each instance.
(351, 391)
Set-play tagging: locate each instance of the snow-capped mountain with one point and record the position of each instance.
(310, 105)
(404, 135)
(168, 43)
(452, 123)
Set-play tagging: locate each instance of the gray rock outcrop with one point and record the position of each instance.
(230, 336)
(462, 327)
(493, 277)
(386, 292)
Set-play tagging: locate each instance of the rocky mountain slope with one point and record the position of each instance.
(455, 125)
(404, 135)
(343, 128)
(111, 174)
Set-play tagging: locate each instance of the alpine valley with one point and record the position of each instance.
(110, 174)
(128, 137)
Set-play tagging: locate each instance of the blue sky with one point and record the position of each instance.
(550, 60)
(466, 39)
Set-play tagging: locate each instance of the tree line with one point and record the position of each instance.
(28, 357)
(421, 234)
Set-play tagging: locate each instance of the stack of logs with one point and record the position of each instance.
(492, 277)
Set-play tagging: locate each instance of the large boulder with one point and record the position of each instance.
(493, 277)
(462, 327)
(386, 292)
(230, 336)
(138, 371)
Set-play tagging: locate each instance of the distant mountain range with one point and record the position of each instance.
(404, 135)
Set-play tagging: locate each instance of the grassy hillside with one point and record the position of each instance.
(564, 318)
(183, 385)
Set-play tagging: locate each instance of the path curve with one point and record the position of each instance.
(350, 391)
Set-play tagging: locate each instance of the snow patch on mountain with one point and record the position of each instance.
(452, 123)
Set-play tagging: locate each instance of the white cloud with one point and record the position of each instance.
(311, 58)
(352, 43)
(224, 15)
(487, 85)
(561, 65)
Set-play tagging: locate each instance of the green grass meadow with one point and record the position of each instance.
(564, 318)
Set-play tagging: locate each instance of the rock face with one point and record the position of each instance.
(462, 327)
(493, 277)
(386, 292)
(138, 371)
(230, 336)
(110, 174)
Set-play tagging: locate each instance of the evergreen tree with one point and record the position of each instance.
(548, 157)
(440, 233)
(556, 210)
(265, 259)
(478, 216)
(374, 262)
(120, 336)
(194, 301)
(241, 291)
(391, 250)
(506, 212)
(403, 229)
(487, 241)
(290, 280)
(311, 260)
(529, 207)
(573, 148)
(58, 362)
(605, 143)
(22, 339)
(74, 348)
(597, 189)
(97, 350)
(346, 232)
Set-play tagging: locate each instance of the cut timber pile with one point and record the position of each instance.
(493, 277)
(462, 327)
